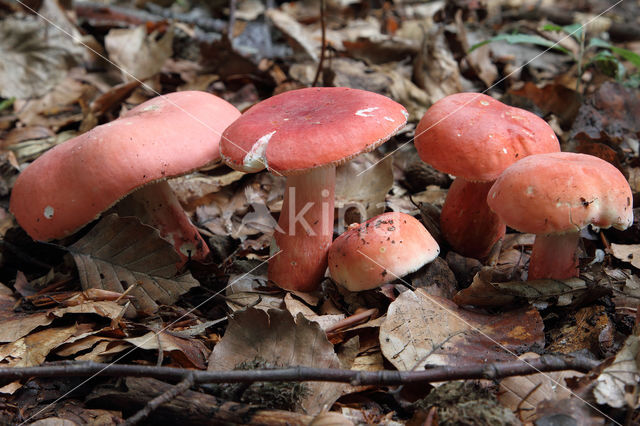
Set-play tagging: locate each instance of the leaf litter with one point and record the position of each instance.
(223, 310)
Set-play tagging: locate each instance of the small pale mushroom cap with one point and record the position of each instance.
(71, 184)
(476, 137)
(380, 250)
(562, 192)
(303, 129)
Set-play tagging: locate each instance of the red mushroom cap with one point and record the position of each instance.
(73, 183)
(379, 250)
(561, 192)
(303, 129)
(476, 137)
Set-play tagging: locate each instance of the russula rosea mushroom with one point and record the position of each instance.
(167, 136)
(475, 137)
(380, 250)
(556, 195)
(303, 134)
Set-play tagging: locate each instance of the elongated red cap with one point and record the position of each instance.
(476, 137)
(562, 192)
(380, 250)
(73, 183)
(299, 130)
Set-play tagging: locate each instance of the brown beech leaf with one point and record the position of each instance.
(35, 55)
(610, 115)
(275, 337)
(190, 353)
(34, 348)
(120, 252)
(526, 392)
(138, 54)
(617, 385)
(627, 253)
(362, 185)
(20, 325)
(485, 292)
(422, 330)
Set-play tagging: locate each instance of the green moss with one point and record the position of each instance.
(467, 403)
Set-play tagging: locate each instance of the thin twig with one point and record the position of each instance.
(493, 371)
(324, 43)
(161, 399)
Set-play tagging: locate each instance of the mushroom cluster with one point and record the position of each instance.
(304, 134)
(475, 137)
(506, 161)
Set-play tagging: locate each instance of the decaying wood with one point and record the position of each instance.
(190, 407)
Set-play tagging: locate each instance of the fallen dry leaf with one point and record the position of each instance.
(34, 348)
(486, 292)
(122, 252)
(35, 55)
(362, 184)
(57, 108)
(627, 253)
(609, 116)
(275, 337)
(617, 385)
(245, 289)
(517, 392)
(189, 353)
(139, 55)
(295, 307)
(423, 330)
(20, 325)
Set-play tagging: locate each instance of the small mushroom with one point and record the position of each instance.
(475, 137)
(304, 134)
(167, 136)
(555, 196)
(380, 250)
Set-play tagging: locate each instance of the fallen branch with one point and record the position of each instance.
(189, 408)
(545, 363)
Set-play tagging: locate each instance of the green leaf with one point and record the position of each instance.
(574, 30)
(6, 103)
(522, 38)
(625, 54)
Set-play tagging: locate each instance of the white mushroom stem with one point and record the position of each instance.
(157, 206)
(554, 256)
(305, 230)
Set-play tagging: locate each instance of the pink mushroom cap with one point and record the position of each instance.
(73, 183)
(296, 131)
(473, 136)
(562, 192)
(380, 250)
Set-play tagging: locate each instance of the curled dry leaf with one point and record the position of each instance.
(610, 116)
(301, 36)
(119, 253)
(526, 392)
(627, 253)
(35, 57)
(246, 289)
(617, 385)
(486, 292)
(19, 325)
(422, 330)
(34, 348)
(275, 338)
(295, 307)
(361, 185)
(138, 54)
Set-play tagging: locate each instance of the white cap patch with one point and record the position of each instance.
(256, 158)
